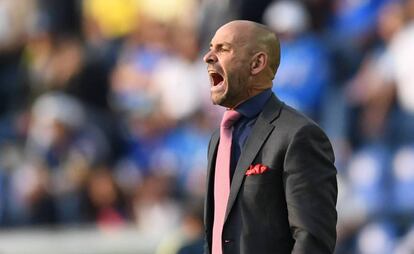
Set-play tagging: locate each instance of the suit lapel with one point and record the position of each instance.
(212, 152)
(259, 134)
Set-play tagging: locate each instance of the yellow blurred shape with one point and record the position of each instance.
(114, 17)
(166, 11)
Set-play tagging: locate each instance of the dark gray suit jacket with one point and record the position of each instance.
(291, 207)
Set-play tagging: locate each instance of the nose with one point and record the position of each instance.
(210, 57)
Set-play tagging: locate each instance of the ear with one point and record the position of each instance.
(259, 62)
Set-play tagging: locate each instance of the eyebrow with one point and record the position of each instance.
(220, 45)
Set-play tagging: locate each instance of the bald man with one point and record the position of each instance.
(282, 188)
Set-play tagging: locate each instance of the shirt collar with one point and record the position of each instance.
(254, 105)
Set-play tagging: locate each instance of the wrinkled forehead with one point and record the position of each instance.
(231, 34)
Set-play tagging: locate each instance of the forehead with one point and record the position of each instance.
(228, 35)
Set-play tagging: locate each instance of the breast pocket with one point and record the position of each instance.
(268, 177)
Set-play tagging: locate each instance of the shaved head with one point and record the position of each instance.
(257, 37)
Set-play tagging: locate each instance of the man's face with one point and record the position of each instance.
(228, 67)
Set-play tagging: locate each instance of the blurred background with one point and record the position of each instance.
(105, 118)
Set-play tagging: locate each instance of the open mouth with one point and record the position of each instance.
(216, 78)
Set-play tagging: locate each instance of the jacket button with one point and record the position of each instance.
(227, 241)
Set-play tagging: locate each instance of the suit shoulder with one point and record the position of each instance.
(296, 128)
(293, 118)
(291, 121)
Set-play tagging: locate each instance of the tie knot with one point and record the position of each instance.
(229, 118)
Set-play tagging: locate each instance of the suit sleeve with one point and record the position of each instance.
(311, 191)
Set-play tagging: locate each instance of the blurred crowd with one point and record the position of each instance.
(105, 114)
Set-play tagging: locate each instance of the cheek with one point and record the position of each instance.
(235, 69)
(241, 73)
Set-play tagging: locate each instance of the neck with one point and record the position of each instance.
(252, 93)
(259, 86)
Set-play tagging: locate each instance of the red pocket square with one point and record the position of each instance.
(256, 169)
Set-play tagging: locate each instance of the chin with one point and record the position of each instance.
(218, 99)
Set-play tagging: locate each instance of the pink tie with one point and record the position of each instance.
(222, 177)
